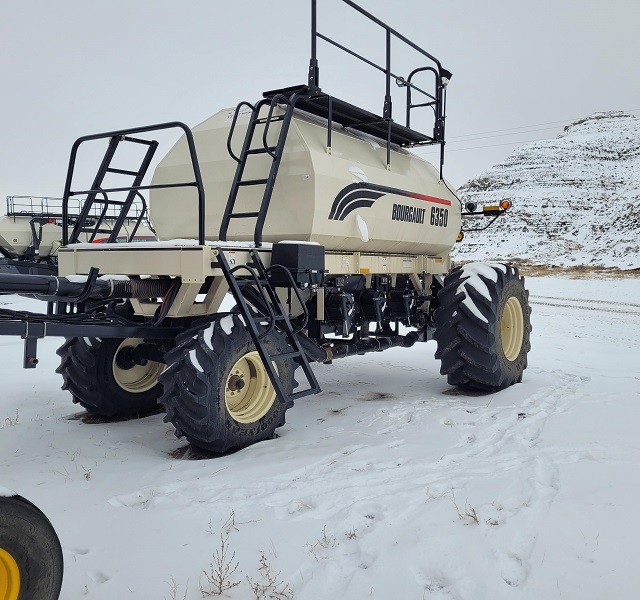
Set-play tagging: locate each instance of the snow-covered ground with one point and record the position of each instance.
(388, 485)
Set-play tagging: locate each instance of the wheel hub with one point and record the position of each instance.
(236, 383)
(9, 577)
(512, 328)
(135, 376)
(249, 393)
(125, 358)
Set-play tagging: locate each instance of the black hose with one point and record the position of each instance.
(343, 349)
(58, 288)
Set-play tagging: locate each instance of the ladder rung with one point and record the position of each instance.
(246, 282)
(302, 394)
(253, 182)
(285, 355)
(242, 215)
(122, 172)
(261, 150)
(137, 141)
(108, 201)
(264, 120)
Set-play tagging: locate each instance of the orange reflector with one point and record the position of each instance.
(460, 237)
(490, 208)
(505, 205)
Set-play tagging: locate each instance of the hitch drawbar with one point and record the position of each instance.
(49, 287)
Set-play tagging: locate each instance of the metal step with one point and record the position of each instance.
(258, 279)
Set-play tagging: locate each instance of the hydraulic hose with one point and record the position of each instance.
(49, 287)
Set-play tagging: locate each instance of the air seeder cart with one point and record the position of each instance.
(333, 238)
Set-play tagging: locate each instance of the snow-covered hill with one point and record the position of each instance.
(576, 198)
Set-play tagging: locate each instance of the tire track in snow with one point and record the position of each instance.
(350, 487)
(511, 444)
(605, 306)
(587, 300)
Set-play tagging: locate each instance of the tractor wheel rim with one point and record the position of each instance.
(512, 328)
(139, 378)
(9, 576)
(249, 393)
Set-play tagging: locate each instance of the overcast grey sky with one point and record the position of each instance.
(73, 67)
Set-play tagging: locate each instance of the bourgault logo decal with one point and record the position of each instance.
(363, 195)
(410, 214)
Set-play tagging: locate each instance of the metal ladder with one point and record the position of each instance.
(268, 309)
(97, 204)
(273, 151)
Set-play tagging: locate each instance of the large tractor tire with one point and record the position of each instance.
(103, 381)
(31, 563)
(217, 392)
(483, 326)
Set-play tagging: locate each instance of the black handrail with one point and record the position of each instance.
(122, 135)
(442, 76)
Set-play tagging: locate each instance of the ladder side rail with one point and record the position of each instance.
(271, 317)
(91, 196)
(233, 127)
(139, 177)
(435, 103)
(276, 155)
(242, 161)
(294, 287)
(99, 221)
(138, 218)
(270, 119)
(286, 328)
(6, 253)
(251, 327)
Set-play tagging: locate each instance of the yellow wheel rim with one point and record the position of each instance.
(249, 393)
(138, 378)
(512, 328)
(9, 576)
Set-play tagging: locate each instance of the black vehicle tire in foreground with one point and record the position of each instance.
(217, 392)
(31, 563)
(101, 379)
(483, 326)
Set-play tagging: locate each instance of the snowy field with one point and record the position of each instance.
(388, 485)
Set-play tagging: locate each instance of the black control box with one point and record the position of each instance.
(305, 262)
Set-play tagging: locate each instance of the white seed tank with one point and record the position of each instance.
(344, 197)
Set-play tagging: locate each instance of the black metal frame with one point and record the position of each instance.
(275, 152)
(435, 100)
(133, 191)
(255, 284)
